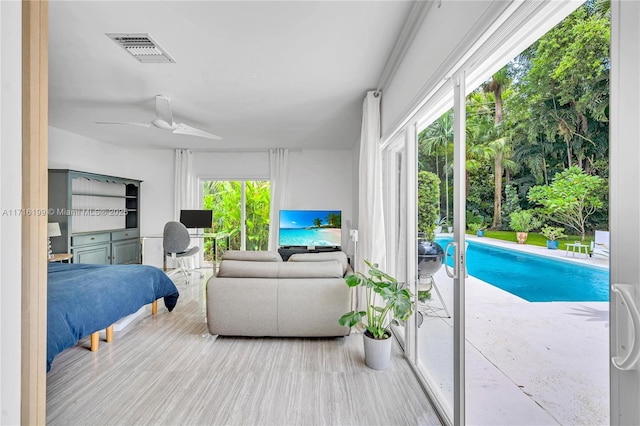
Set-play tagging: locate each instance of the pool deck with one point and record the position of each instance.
(598, 262)
(527, 363)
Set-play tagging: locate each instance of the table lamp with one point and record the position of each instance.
(53, 230)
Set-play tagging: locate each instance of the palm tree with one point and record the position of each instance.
(435, 138)
(500, 145)
(333, 220)
(534, 155)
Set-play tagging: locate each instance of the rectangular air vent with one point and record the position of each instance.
(142, 47)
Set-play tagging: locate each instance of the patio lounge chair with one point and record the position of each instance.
(600, 244)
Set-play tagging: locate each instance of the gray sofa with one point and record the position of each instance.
(257, 294)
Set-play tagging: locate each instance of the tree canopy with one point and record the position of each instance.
(544, 112)
(571, 198)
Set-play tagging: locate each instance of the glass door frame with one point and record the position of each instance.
(624, 296)
(406, 140)
(243, 199)
(459, 260)
(396, 169)
(519, 29)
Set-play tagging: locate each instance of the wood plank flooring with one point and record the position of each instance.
(168, 370)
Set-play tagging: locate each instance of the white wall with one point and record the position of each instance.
(231, 165)
(323, 179)
(72, 151)
(10, 198)
(476, 36)
(435, 47)
(154, 167)
(318, 179)
(156, 170)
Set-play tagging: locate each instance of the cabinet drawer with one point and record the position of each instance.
(99, 254)
(82, 240)
(125, 235)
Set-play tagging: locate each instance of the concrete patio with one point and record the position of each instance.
(527, 363)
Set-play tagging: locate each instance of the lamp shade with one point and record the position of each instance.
(53, 229)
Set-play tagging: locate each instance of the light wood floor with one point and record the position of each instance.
(168, 370)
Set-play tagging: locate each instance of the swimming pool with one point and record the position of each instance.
(535, 278)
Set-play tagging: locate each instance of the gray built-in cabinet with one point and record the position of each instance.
(98, 216)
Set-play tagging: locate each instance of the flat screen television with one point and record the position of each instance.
(196, 218)
(310, 228)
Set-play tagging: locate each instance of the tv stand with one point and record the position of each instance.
(286, 252)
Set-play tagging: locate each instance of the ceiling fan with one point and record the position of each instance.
(164, 121)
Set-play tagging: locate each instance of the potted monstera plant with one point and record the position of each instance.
(386, 300)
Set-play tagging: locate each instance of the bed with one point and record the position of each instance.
(84, 299)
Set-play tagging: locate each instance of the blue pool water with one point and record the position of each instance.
(535, 278)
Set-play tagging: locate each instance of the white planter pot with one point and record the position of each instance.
(377, 352)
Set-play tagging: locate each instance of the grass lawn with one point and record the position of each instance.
(535, 239)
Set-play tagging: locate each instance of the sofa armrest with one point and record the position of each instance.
(242, 306)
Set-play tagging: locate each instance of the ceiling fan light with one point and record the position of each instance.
(161, 124)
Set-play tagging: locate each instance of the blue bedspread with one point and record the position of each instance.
(83, 299)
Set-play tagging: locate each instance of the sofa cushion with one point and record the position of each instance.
(254, 256)
(340, 256)
(244, 269)
(327, 269)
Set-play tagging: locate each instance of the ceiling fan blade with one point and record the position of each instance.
(163, 109)
(120, 122)
(183, 129)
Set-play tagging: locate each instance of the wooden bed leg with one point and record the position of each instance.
(109, 333)
(154, 307)
(95, 341)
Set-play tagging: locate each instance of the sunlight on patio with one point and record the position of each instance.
(526, 363)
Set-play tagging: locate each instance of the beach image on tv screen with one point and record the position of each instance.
(319, 228)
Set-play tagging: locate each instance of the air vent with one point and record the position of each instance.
(142, 47)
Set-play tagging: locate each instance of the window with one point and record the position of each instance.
(240, 209)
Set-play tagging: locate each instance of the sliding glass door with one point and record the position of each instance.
(439, 334)
(395, 170)
(241, 210)
(625, 215)
(439, 234)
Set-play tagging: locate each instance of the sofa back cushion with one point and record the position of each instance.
(328, 269)
(338, 256)
(244, 269)
(254, 256)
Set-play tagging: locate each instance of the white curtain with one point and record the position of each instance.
(279, 171)
(371, 233)
(184, 187)
(185, 191)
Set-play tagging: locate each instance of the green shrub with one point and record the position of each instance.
(428, 196)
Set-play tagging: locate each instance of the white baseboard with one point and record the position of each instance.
(129, 319)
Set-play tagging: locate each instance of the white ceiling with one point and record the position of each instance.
(264, 74)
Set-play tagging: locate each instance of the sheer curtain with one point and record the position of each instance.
(185, 191)
(184, 182)
(278, 170)
(371, 233)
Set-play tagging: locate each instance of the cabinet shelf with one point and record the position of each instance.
(87, 194)
(98, 216)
